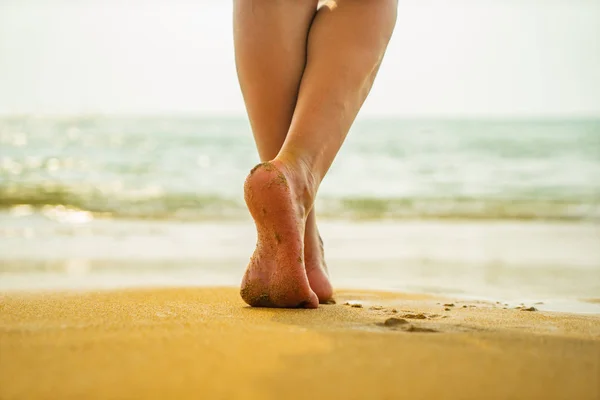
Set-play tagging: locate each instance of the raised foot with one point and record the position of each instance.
(314, 259)
(276, 275)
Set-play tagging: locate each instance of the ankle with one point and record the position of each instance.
(304, 182)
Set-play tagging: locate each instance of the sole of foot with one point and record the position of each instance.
(276, 275)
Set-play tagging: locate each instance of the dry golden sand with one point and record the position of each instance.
(205, 343)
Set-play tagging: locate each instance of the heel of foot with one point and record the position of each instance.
(265, 175)
(276, 275)
(268, 196)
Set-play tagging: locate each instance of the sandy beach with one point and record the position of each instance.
(205, 343)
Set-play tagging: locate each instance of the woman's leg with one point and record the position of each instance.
(270, 54)
(270, 48)
(346, 44)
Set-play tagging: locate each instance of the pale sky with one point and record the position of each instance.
(446, 58)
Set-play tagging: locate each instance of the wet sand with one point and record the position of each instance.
(205, 343)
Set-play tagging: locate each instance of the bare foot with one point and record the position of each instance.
(314, 259)
(276, 275)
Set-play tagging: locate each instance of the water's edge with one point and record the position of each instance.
(513, 262)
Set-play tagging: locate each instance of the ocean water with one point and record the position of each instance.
(193, 169)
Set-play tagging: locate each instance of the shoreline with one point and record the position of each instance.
(511, 262)
(204, 342)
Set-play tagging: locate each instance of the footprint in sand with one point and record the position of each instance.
(407, 314)
(353, 304)
(523, 308)
(403, 325)
(415, 316)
